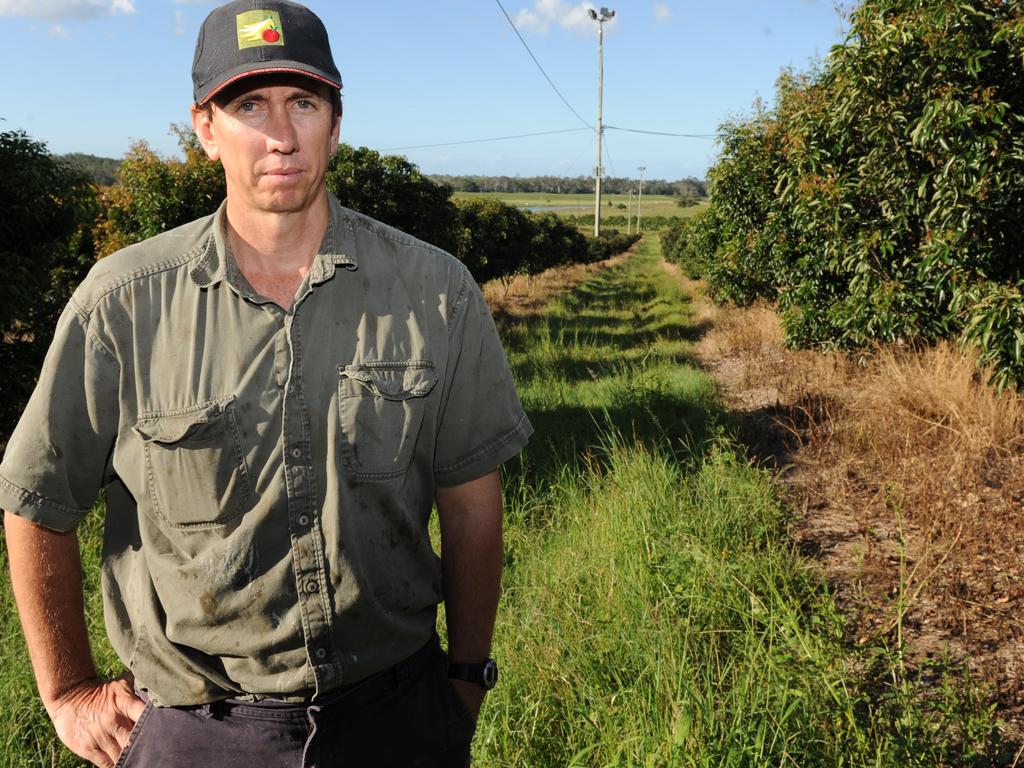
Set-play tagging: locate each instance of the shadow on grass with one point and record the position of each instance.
(569, 435)
(622, 337)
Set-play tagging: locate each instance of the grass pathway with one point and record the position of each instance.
(655, 612)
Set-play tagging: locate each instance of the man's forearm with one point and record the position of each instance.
(471, 560)
(94, 718)
(46, 574)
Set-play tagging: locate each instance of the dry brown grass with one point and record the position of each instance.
(907, 476)
(526, 295)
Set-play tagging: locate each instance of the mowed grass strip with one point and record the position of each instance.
(655, 612)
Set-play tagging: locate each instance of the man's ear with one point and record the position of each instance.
(202, 124)
(335, 133)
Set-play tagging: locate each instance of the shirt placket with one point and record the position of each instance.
(308, 558)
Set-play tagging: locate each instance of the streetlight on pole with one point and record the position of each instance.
(600, 18)
(640, 197)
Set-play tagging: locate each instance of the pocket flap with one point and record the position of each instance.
(175, 426)
(392, 381)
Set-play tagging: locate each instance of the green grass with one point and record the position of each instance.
(655, 611)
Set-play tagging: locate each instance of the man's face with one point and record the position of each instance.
(274, 136)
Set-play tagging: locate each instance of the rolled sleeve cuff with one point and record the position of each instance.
(37, 509)
(485, 458)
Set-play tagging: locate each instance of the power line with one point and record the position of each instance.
(662, 133)
(523, 41)
(481, 141)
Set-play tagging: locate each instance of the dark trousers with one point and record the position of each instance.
(404, 717)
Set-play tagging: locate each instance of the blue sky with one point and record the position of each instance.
(96, 75)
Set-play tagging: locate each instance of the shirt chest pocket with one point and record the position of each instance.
(380, 411)
(194, 466)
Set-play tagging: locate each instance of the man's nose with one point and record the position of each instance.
(280, 131)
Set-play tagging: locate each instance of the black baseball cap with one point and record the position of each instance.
(252, 37)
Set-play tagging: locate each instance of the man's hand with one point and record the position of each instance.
(95, 718)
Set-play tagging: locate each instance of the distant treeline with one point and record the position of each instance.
(102, 170)
(575, 185)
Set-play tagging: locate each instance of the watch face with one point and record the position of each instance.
(490, 674)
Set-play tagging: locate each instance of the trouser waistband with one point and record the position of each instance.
(402, 674)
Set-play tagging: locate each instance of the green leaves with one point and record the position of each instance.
(883, 185)
(391, 189)
(45, 249)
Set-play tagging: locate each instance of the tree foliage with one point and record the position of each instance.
(881, 199)
(45, 249)
(155, 194)
(102, 170)
(391, 189)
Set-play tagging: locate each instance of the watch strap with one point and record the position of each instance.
(484, 674)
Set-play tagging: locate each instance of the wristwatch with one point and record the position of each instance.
(484, 674)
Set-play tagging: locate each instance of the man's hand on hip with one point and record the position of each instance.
(95, 718)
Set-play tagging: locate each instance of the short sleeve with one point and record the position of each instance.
(57, 459)
(482, 423)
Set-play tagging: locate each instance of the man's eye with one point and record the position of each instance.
(305, 104)
(247, 106)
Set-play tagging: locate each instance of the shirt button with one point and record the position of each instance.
(303, 520)
(312, 586)
(296, 452)
(321, 653)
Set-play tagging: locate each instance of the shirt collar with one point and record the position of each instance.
(337, 249)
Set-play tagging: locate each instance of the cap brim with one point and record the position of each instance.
(270, 67)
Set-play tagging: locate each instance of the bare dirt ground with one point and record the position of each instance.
(906, 476)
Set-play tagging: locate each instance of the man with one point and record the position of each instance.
(272, 398)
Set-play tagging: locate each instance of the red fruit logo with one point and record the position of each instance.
(256, 28)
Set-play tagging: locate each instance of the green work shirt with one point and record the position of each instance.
(269, 474)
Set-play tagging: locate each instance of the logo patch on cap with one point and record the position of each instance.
(257, 28)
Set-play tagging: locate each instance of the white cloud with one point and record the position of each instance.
(54, 10)
(547, 13)
(662, 12)
(179, 23)
(58, 30)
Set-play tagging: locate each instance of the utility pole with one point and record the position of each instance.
(640, 197)
(601, 18)
(629, 212)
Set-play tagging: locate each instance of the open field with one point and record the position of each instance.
(653, 205)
